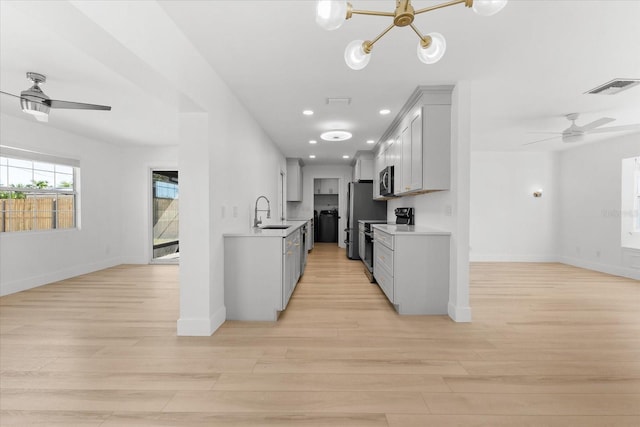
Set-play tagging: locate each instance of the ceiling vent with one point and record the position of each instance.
(614, 86)
(338, 101)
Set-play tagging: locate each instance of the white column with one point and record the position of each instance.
(195, 268)
(459, 309)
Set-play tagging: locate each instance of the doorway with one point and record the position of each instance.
(165, 222)
(326, 205)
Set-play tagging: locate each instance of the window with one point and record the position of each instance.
(630, 206)
(636, 210)
(37, 191)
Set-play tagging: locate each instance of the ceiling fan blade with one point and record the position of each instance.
(545, 133)
(596, 123)
(10, 94)
(617, 128)
(542, 140)
(53, 103)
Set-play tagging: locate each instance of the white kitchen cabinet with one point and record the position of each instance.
(411, 179)
(261, 271)
(422, 159)
(380, 163)
(363, 169)
(411, 266)
(394, 158)
(291, 260)
(294, 180)
(326, 186)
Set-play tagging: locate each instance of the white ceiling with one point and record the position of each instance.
(528, 66)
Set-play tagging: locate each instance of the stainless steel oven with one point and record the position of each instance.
(386, 181)
(367, 252)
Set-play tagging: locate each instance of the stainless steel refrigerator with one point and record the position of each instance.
(361, 206)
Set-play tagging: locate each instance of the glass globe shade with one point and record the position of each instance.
(488, 7)
(435, 51)
(330, 14)
(355, 56)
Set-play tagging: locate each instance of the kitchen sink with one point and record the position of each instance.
(275, 227)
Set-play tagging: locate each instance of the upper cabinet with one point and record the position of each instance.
(420, 143)
(363, 169)
(294, 180)
(325, 186)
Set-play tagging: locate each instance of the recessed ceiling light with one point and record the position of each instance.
(312, 156)
(345, 157)
(313, 141)
(308, 112)
(370, 141)
(384, 112)
(336, 135)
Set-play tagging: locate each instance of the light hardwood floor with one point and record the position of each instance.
(550, 345)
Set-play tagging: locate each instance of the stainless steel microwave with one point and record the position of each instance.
(386, 181)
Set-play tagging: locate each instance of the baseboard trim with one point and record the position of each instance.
(201, 327)
(459, 314)
(512, 258)
(614, 270)
(56, 276)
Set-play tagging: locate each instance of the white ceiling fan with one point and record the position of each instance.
(575, 133)
(35, 102)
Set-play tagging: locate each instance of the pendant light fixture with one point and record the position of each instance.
(331, 14)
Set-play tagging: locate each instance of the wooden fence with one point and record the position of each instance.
(41, 212)
(165, 220)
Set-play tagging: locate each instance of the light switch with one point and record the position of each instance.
(235, 212)
(222, 211)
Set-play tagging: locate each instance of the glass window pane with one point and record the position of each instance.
(43, 179)
(19, 176)
(63, 180)
(4, 181)
(64, 169)
(3, 161)
(43, 166)
(21, 163)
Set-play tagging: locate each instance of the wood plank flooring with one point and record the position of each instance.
(550, 345)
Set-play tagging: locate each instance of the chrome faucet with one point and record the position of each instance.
(256, 221)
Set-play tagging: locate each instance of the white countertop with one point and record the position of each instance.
(410, 229)
(373, 221)
(259, 232)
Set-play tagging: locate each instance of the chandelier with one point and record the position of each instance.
(331, 14)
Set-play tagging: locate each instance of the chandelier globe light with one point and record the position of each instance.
(331, 14)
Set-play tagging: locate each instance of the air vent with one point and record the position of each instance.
(338, 101)
(614, 86)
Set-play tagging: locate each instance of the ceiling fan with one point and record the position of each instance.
(34, 101)
(575, 133)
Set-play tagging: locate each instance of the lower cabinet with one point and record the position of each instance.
(291, 266)
(260, 275)
(412, 269)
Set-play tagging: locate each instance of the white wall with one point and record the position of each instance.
(135, 172)
(32, 259)
(590, 222)
(507, 222)
(304, 209)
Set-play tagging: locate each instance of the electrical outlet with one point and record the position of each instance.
(598, 254)
(448, 211)
(235, 212)
(222, 212)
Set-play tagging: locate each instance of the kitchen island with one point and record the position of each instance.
(261, 269)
